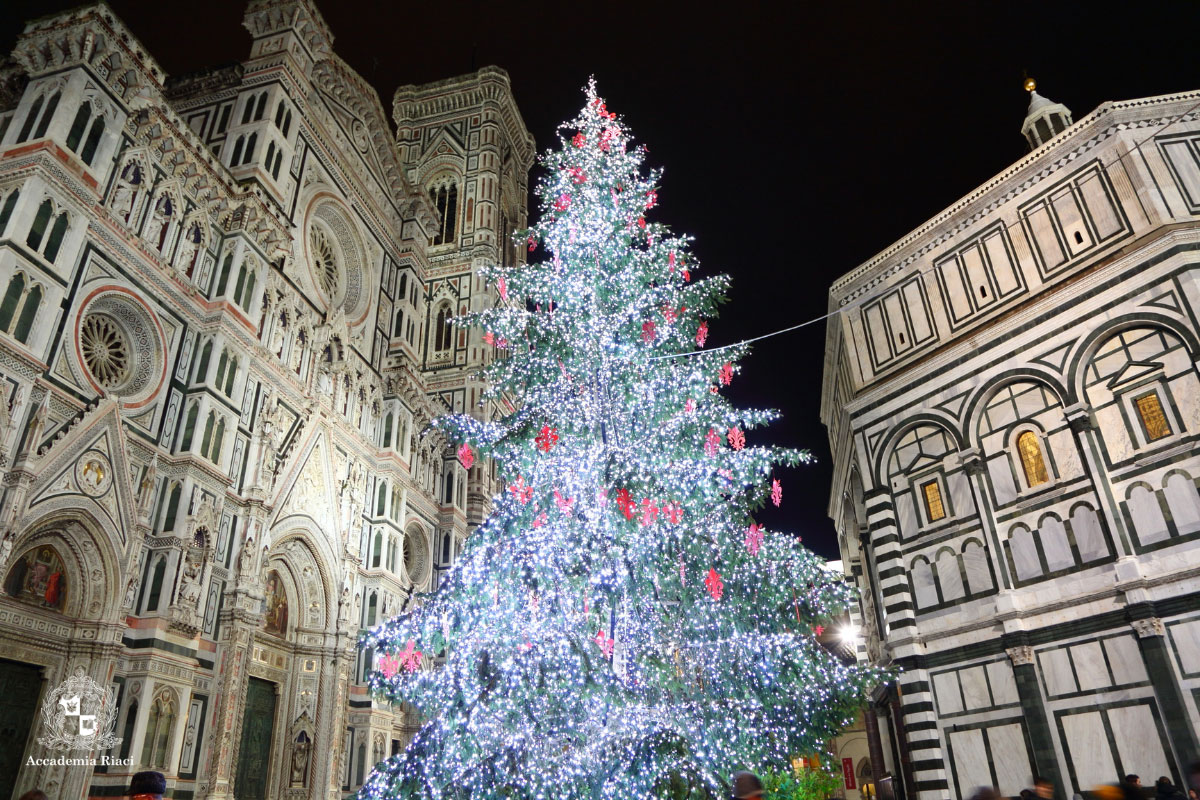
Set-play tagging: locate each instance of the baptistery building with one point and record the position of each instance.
(224, 305)
(1013, 404)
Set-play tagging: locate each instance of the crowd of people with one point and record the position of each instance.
(747, 786)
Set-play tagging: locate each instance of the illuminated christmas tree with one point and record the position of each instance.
(619, 627)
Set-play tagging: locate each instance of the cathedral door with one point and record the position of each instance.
(255, 753)
(20, 688)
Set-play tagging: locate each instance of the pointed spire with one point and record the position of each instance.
(1045, 119)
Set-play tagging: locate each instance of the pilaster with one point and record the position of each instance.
(1045, 756)
(1152, 641)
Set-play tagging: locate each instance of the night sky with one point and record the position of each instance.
(798, 139)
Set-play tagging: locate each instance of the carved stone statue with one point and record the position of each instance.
(189, 584)
(131, 591)
(146, 488)
(6, 546)
(299, 771)
(343, 617)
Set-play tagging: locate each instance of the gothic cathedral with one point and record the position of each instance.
(224, 305)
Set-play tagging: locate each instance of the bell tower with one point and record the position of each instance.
(1045, 119)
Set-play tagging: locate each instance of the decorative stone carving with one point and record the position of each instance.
(1151, 626)
(1022, 655)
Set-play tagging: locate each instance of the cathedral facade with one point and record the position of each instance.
(1013, 404)
(224, 305)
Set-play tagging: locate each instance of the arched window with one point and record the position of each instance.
(6, 210)
(19, 308)
(403, 286)
(209, 425)
(1030, 449)
(251, 143)
(214, 454)
(443, 336)
(202, 365)
(189, 429)
(270, 154)
(238, 144)
(248, 111)
(377, 551)
(158, 731)
(79, 127)
(233, 366)
(41, 221)
(279, 115)
(243, 291)
(449, 488)
(287, 122)
(222, 364)
(88, 154)
(391, 553)
(156, 583)
(27, 128)
(223, 281)
(127, 730)
(262, 107)
(381, 502)
(387, 430)
(51, 107)
(446, 539)
(56, 237)
(445, 204)
(275, 166)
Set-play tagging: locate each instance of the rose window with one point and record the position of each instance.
(105, 350)
(325, 260)
(416, 555)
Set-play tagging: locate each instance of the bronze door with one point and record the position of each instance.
(20, 688)
(254, 756)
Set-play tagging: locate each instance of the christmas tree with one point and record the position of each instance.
(619, 627)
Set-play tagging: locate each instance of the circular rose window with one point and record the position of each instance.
(416, 555)
(105, 350)
(325, 261)
(119, 346)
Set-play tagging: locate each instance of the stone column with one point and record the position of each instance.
(874, 744)
(1045, 757)
(973, 465)
(921, 756)
(1152, 641)
(1079, 419)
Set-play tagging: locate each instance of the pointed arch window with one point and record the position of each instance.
(158, 731)
(79, 126)
(238, 145)
(127, 731)
(443, 335)
(445, 204)
(6, 210)
(37, 240)
(189, 429)
(261, 108)
(19, 307)
(376, 554)
(243, 291)
(34, 111)
(1029, 446)
(156, 581)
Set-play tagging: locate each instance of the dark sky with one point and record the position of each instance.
(798, 138)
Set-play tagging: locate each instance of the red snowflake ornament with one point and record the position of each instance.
(673, 511)
(580, 140)
(502, 287)
(605, 644)
(671, 261)
(540, 520)
(564, 503)
(489, 338)
(702, 334)
(651, 198)
(532, 244)
(776, 492)
(563, 202)
(726, 376)
(689, 406)
(577, 174)
(712, 443)
(712, 582)
(737, 439)
(546, 438)
(466, 456)
(818, 629)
